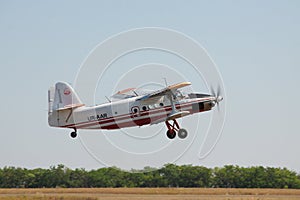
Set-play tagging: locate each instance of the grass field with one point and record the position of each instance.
(148, 193)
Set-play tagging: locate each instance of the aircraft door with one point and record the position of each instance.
(135, 111)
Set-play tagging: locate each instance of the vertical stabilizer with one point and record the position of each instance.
(62, 99)
(65, 97)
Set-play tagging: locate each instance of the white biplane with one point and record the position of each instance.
(127, 108)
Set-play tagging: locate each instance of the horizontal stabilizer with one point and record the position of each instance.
(71, 106)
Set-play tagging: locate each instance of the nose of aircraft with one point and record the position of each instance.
(219, 99)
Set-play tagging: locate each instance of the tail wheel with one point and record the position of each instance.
(182, 133)
(74, 133)
(171, 134)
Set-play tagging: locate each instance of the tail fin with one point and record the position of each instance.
(65, 97)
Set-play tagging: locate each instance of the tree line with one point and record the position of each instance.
(170, 175)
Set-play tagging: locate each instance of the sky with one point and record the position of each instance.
(255, 45)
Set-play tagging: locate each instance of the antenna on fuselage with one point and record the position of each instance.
(135, 93)
(108, 99)
(166, 82)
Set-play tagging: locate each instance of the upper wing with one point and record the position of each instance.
(157, 95)
(176, 115)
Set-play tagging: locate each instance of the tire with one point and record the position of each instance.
(171, 134)
(182, 133)
(73, 135)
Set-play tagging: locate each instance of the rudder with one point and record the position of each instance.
(65, 97)
(62, 99)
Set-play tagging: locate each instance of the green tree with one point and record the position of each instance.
(78, 178)
(13, 177)
(170, 173)
(226, 177)
(194, 176)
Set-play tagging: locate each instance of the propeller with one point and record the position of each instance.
(217, 95)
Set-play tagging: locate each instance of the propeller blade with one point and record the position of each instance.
(217, 95)
(212, 91)
(218, 91)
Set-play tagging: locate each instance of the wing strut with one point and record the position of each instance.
(175, 113)
(172, 103)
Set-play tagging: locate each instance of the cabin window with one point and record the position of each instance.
(144, 108)
(151, 106)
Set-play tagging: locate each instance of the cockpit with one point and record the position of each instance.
(129, 93)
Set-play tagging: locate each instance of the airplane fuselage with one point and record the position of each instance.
(124, 113)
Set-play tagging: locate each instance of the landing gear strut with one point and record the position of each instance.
(74, 133)
(174, 128)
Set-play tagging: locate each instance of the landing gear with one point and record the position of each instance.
(171, 134)
(174, 128)
(182, 133)
(74, 133)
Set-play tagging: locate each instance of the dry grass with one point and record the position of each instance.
(148, 193)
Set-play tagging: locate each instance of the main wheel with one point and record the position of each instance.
(171, 134)
(182, 133)
(73, 134)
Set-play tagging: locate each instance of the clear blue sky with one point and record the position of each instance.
(255, 44)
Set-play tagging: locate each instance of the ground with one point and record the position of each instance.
(148, 193)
